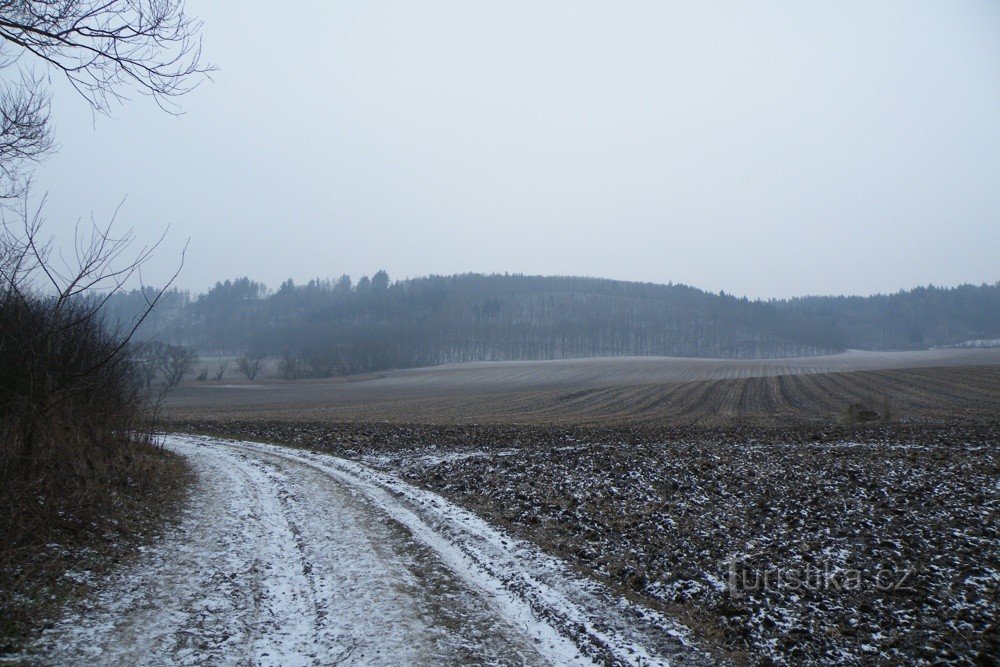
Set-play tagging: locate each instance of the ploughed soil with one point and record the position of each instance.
(626, 391)
(817, 542)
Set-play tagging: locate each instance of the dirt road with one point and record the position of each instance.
(291, 557)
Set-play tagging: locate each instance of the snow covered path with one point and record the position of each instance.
(290, 557)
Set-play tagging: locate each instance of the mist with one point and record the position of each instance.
(770, 150)
(499, 333)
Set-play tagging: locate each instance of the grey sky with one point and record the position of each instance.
(767, 149)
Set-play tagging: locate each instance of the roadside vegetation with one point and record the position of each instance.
(81, 481)
(80, 476)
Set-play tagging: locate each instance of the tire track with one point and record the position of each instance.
(567, 616)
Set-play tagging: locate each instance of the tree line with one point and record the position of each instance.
(336, 326)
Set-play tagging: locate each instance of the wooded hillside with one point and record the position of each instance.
(328, 327)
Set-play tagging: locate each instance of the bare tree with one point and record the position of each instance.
(54, 312)
(25, 131)
(151, 358)
(250, 363)
(104, 48)
(180, 362)
(72, 401)
(290, 367)
(221, 370)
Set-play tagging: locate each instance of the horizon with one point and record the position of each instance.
(774, 150)
(546, 333)
(273, 287)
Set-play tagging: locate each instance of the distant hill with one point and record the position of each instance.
(328, 327)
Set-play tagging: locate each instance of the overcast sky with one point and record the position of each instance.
(765, 149)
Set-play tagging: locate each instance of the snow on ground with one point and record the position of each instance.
(289, 557)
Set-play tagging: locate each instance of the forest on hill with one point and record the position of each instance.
(333, 327)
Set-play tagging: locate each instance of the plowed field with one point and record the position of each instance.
(933, 383)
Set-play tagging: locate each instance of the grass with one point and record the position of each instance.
(50, 562)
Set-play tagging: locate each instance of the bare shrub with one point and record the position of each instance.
(150, 358)
(320, 362)
(249, 363)
(220, 371)
(180, 362)
(75, 414)
(856, 413)
(290, 367)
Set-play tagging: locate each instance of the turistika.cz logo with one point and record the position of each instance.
(743, 576)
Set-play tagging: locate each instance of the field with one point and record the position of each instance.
(648, 391)
(893, 525)
(734, 496)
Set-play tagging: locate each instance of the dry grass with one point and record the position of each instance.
(57, 541)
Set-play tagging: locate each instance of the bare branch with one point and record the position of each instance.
(104, 49)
